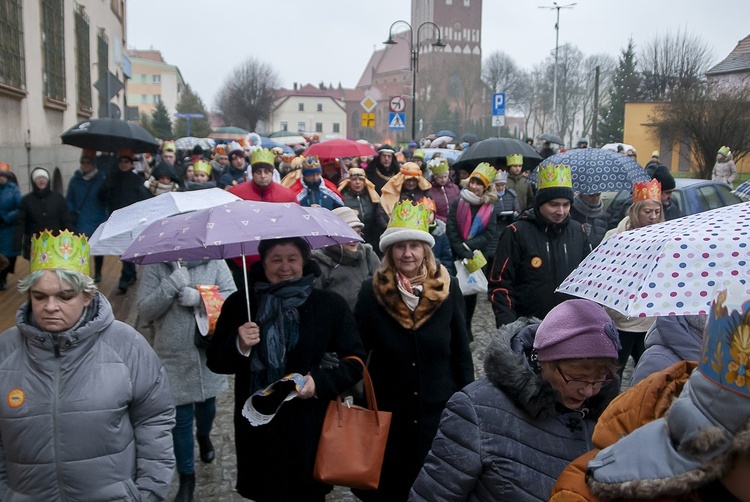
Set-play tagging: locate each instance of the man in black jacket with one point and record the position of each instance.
(123, 187)
(537, 252)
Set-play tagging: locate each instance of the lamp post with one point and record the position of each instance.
(188, 116)
(414, 61)
(557, 46)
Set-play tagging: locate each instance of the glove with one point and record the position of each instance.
(180, 278)
(189, 297)
(438, 229)
(329, 361)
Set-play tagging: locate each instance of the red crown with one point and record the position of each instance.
(647, 191)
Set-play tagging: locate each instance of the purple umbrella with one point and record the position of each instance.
(235, 229)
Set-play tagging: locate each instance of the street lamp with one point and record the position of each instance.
(414, 62)
(557, 45)
(189, 116)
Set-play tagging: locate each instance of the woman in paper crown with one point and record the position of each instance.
(408, 184)
(169, 296)
(693, 448)
(443, 190)
(411, 318)
(471, 223)
(88, 412)
(646, 210)
(293, 326)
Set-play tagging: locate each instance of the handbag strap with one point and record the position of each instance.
(372, 403)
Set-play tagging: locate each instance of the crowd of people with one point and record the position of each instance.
(103, 414)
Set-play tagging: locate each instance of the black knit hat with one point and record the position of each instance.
(547, 194)
(663, 176)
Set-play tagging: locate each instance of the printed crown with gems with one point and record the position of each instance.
(66, 251)
(554, 176)
(485, 172)
(514, 160)
(647, 191)
(411, 216)
(262, 156)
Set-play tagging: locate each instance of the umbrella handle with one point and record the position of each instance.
(247, 289)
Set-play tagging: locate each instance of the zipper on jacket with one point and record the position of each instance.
(55, 420)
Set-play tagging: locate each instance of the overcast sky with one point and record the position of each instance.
(309, 41)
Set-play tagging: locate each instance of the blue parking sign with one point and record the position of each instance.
(498, 103)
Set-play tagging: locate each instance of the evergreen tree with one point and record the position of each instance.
(626, 86)
(190, 102)
(160, 122)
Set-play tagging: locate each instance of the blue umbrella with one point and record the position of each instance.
(743, 190)
(596, 171)
(269, 143)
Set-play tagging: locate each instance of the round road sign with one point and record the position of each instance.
(397, 104)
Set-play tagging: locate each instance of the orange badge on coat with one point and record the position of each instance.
(536, 262)
(15, 398)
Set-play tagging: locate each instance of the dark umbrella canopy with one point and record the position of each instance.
(552, 138)
(494, 151)
(110, 135)
(445, 132)
(470, 138)
(595, 171)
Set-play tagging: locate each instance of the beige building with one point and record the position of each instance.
(53, 53)
(153, 80)
(309, 110)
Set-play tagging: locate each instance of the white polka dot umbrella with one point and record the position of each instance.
(671, 268)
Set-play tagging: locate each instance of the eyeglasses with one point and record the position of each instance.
(582, 384)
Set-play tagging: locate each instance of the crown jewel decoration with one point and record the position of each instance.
(484, 172)
(514, 160)
(413, 216)
(555, 176)
(66, 251)
(262, 156)
(650, 190)
(725, 356)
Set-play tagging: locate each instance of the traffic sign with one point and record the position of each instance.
(397, 104)
(498, 120)
(368, 120)
(368, 104)
(108, 85)
(498, 103)
(396, 121)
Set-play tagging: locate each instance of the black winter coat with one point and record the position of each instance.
(275, 461)
(120, 189)
(379, 175)
(40, 210)
(533, 257)
(365, 209)
(417, 361)
(480, 241)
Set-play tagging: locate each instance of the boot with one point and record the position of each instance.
(206, 449)
(187, 487)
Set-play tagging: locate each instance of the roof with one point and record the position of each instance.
(737, 61)
(390, 59)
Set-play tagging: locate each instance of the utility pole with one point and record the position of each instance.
(557, 47)
(595, 119)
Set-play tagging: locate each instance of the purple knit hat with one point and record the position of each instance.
(576, 329)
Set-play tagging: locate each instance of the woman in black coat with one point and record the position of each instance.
(41, 209)
(410, 315)
(294, 325)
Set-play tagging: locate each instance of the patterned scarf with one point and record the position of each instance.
(466, 226)
(278, 319)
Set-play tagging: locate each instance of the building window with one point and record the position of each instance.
(53, 42)
(156, 79)
(102, 67)
(320, 107)
(157, 98)
(301, 107)
(144, 98)
(83, 60)
(318, 126)
(301, 126)
(12, 71)
(284, 126)
(448, 2)
(467, 3)
(336, 127)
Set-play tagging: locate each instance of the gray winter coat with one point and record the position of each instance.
(343, 274)
(93, 415)
(174, 328)
(505, 437)
(670, 339)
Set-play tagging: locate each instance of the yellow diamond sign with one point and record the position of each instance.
(368, 104)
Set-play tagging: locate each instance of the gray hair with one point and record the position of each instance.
(80, 282)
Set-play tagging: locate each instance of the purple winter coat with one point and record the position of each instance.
(444, 197)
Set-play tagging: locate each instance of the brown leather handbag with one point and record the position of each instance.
(352, 442)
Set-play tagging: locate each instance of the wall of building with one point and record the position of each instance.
(144, 92)
(332, 113)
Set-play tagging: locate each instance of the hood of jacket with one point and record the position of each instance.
(510, 365)
(682, 334)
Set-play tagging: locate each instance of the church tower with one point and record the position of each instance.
(460, 23)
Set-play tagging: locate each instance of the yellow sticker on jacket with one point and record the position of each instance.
(536, 262)
(15, 398)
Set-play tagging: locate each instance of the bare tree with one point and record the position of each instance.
(671, 63)
(569, 88)
(466, 90)
(706, 120)
(248, 94)
(606, 66)
(501, 74)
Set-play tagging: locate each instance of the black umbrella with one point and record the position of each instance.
(494, 151)
(109, 135)
(552, 138)
(445, 132)
(470, 138)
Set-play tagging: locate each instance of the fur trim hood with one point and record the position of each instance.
(436, 289)
(510, 364)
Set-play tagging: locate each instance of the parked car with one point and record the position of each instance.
(691, 195)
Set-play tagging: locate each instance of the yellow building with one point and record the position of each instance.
(675, 153)
(153, 80)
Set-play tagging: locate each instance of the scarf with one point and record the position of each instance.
(411, 289)
(90, 175)
(466, 226)
(278, 319)
(586, 209)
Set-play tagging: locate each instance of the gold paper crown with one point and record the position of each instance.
(514, 160)
(169, 146)
(310, 162)
(202, 166)
(418, 154)
(647, 191)
(553, 176)
(220, 150)
(485, 172)
(262, 156)
(415, 217)
(66, 251)
(439, 166)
